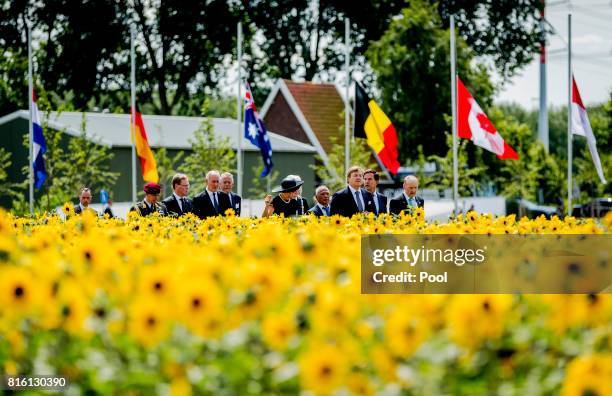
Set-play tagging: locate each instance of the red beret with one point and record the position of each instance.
(152, 188)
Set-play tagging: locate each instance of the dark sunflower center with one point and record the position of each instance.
(66, 311)
(326, 371)
(19, 291)
(158, 286)
(195, 303)
(573, 268)
(589, 392)
(151, 321)
(100, 313)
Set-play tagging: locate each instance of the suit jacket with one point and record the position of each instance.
(317, 211)
(303, 205)
(382, 203)
(78, 210)
(236, 202)
(343, 203)
(399, 203)
(174, 208)
(203, 206)
(144, 210)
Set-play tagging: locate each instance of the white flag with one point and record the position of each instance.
(581, 126)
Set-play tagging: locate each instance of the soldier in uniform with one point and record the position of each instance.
(149, 204)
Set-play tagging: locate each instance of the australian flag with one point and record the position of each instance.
(255, 131)
(39, 147)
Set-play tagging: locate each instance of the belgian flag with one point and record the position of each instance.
(147, 160)
(372, 123)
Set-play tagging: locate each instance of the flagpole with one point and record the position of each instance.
(347, 140)
(543, 116)
(133, 112)
(569, 114)
(454, 114)
(31, 126)
(239, 171)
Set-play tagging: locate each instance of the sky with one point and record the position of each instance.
(591, 60)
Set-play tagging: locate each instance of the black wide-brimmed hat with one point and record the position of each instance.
(288, 184)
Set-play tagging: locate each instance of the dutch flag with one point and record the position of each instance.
(39, 147)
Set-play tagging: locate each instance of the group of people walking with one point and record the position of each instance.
(359, 196)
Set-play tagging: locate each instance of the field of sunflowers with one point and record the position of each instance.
(247, 306)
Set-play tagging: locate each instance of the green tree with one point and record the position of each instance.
(535, 173)
(261, 184)
(70, 53)
(469, 177)
(308, 35)
(504, 30)
(7, 189)
(167, 167)
(412, 62)
(208, 152)
(13, 81)
(183, 49)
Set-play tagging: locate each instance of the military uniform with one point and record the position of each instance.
(143, 209)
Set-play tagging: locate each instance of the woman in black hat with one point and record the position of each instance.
(285, 202)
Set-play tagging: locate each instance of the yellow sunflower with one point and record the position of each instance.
(68, 209)
(323, 368)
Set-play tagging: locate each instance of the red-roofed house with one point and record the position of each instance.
(308, 112)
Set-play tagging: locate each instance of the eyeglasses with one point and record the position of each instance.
(184, 185)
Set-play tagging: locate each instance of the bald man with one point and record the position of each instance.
(408, 199)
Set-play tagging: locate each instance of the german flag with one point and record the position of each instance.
(147, 160)
(372, 123)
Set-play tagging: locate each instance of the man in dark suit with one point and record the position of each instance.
(370, 182)
(178, 204)
(353, 199)
(407, 200)
(227, 184)
(321, 207)
(150, 203)
(211, 202)
(84, 201)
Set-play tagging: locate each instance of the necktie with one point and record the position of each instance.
(326, 210)
(183, 203)
(411, 202)
(359, 205)
(377, 203)
(215, 202)
(231, 200)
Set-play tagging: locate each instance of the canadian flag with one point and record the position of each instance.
(475, 125)
(581, 126)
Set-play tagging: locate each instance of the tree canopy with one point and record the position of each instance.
(184, 49)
